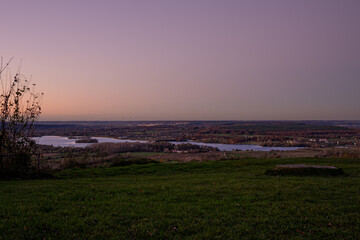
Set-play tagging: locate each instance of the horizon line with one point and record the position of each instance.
(268, 120)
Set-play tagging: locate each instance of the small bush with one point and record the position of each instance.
(73, 163)
(13, 166)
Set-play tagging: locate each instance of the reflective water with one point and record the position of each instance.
(243, 147)
(57, 141)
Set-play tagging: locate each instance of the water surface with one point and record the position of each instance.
(57, 141)
(242, 147)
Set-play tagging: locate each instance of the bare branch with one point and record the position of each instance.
(7, 64)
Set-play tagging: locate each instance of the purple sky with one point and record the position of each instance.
(188, 59)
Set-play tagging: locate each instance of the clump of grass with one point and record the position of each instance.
(304, 171)
(126, 162)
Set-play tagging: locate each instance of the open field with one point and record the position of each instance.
(207, 200)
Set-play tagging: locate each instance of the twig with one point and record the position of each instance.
(7, 64)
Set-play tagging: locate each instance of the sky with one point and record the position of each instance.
(188, 59)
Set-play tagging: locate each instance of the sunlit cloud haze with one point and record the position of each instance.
(188, 59)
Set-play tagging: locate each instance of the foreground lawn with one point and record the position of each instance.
(209, 200)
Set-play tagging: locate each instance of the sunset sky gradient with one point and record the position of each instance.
(188, 59)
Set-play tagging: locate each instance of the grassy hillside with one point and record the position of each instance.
(208, 200)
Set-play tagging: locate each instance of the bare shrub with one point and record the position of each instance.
(19, 109)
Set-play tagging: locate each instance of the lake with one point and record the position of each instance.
(242, 147)
(58, 141)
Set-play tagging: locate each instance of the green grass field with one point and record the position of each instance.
(208, 200)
